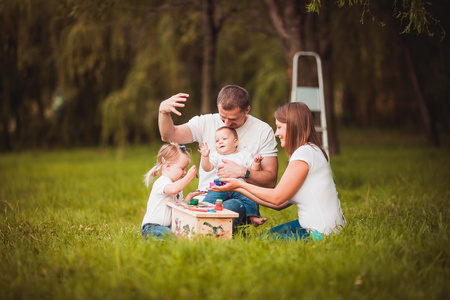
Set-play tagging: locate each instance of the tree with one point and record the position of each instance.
(300, 30)
(418, 18)
(415, 12)
(28, 62)
(81, 72)
(213, 19)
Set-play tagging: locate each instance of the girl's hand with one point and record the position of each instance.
(203, 149)
(231, 185)
(192, 172)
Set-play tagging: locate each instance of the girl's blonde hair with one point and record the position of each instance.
(167, 153)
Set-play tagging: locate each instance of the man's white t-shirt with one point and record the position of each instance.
(157, 210)
(254, 135)
(317, 201)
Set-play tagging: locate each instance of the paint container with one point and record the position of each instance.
(219, 204)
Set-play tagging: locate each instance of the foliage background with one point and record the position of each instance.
(88, 73)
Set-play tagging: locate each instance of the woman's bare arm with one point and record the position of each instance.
(262, 202)
(289, 184)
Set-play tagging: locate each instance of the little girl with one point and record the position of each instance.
(172, 162)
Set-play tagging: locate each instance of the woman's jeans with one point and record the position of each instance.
(251, 208)
(156, 231)
(293, 231)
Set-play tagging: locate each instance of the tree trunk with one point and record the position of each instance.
(297, 28)
(209, 55)
(430, 128)
(323, 41)
(44, 128)
(5, 113)
(333, 141)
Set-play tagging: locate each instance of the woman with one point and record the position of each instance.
(307, 181)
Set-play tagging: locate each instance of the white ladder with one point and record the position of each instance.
(313, 97)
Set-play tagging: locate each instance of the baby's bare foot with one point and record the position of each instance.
(258, 221)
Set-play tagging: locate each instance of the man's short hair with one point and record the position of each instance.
(232, 96)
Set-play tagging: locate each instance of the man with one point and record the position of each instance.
(256, 136)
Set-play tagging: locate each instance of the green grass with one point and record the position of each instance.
(70, 221)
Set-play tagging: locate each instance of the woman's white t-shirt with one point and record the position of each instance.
(317, 201)
(157, 210)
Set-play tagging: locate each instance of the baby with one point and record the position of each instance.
(226, 148)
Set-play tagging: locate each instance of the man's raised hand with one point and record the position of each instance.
(174, 102)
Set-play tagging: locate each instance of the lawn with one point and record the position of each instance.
(70, 229)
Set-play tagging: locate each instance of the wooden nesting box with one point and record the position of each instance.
(188, 220)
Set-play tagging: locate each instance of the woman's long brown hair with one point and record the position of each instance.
(300, 128)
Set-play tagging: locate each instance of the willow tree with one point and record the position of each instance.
(415, 16)
(30, 32)
(166, 60)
